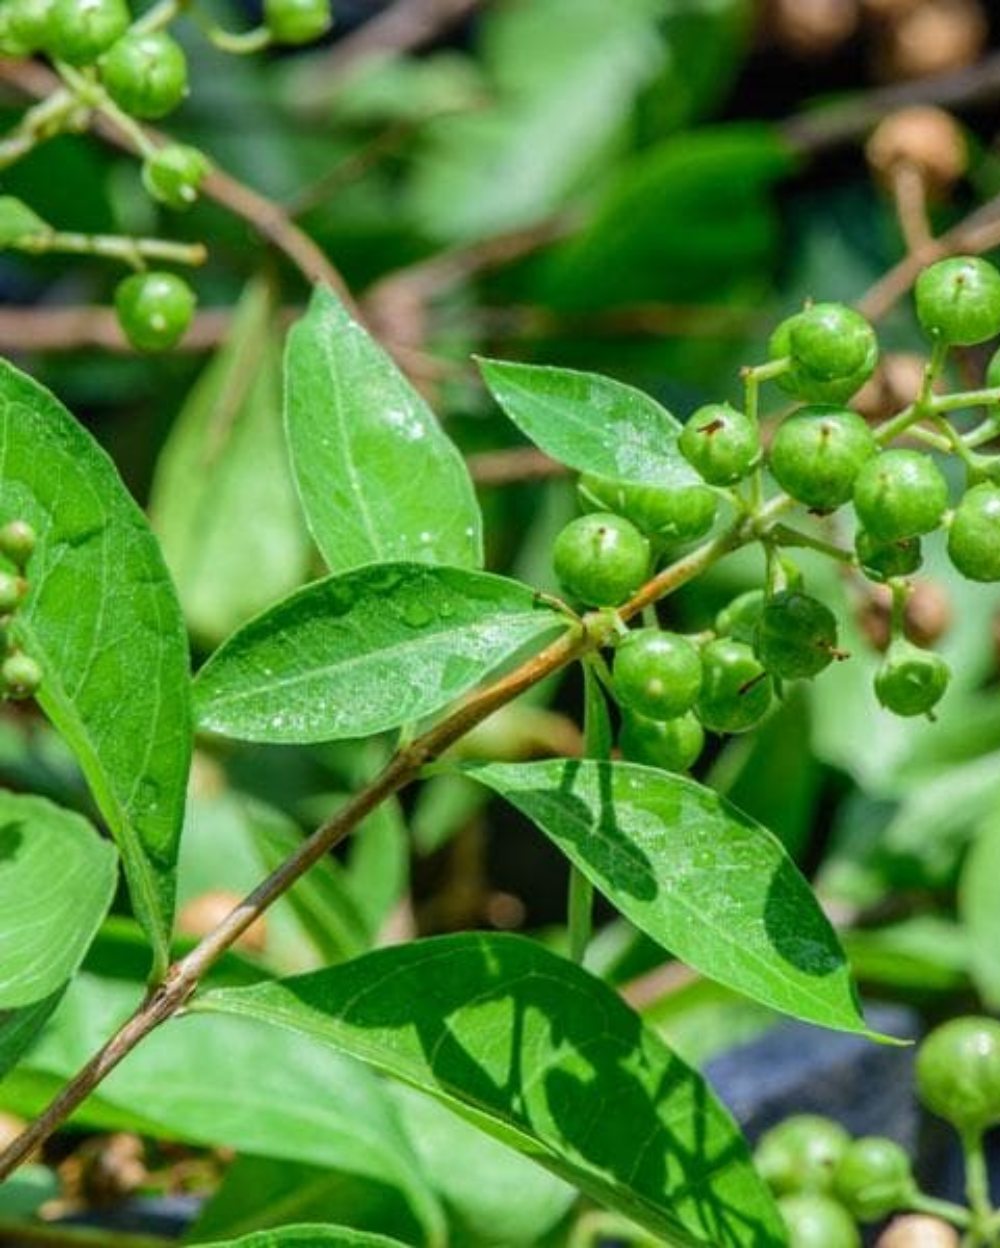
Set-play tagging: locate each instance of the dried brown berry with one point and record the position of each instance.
(922, 138)
(812, 27)
(933, 37)
(916, 1230)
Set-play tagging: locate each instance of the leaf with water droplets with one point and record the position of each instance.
(591, 423)
(694, 873)
(102, 619)
(372, 649)
(377, 476)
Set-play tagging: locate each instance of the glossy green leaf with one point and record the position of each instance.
(694, 873)
(591, 423)
(223, 501)
(366, 651)
(102, 620)
(57, 879)
(542, 1055)
(378, 478)
(309, 1237)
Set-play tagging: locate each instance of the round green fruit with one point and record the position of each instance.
(958, 301)
(900, 494)
(911, 681)
(958, 1072)
(17, 542)
(974, 535)
(297, 21)
(80, 31)
(831, 341)
(796, 636)
(882, 561)
(20, 676)
(800, 380)
(817, 454)
(735, 688)
(601, 559)
(657, 673)
(155, 309)
(174, 174)
(721, 444)
(671, 744)
(146, 74)
(12, 591)
(874, 1178)
(24, 26)
(801, 1154)
(815, 1221)
(680, 513)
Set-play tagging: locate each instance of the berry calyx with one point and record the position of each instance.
(874, 1178)
(883, 561)
(801, 1154)
(721, 444)
(958, 1072)
(815, 1221)
(17, 542)
(146, 74)
(974, 535)
(671, 744)
(817, 454)
(154, 309)
(911, 681)
(601, 559)
(796, 636)
(735, 688)
(20, 676)
(657, 673)
(79, 31)
(12, 591)
(297, 21)
(900, 494)
(958, 301)
(174, 174)
(680, 513)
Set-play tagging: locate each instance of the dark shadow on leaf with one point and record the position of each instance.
(801, 934)
(11, 839)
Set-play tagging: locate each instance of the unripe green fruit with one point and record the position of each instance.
(146, 74)
(817, 387)
(24, 26)
(900, 494)
(680, 513)
(801, 1154)
(671, 744)
(174, 174)
(20, 676)
(874, 1178)
(657, 674)
(17, 541)
(958, 1072)
(735, 688)
(817, 454)
(818, 1222)
(12, 591)
(882, 561)
(79, 31)
(974, 535)
(154, 309)
(958, 301)
(796, 636)
(911, 681)
(721, 444)
(739, 618)
(601, 559)
(297, 21)
(831, 341)
(993, 371)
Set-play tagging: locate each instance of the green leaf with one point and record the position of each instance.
(57, 879)
(694, 873)
(377, 476)
(540, 1054)
(366, 651)
(18, 1029)
(590, 422)
(102, 620)
(223, 501)
(979, 908)
(309, 1237)
(17, 220)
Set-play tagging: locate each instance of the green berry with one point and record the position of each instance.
(738, 619)
(297, 21)
(174, 174)
(17, 542)
(20, 676)
(24, 26)
(874, 1178)
(823, 386)
(680, 513)
(146, 74)
(958, 1072)
(79, 31)
(801, 1154)
(911, 681)
(672, 744)
(657, 674)
(601, 559)
(12, 591)
(817, 454)
(974, 535)
(735, 688)
(958, 301)
(993, 371)
(721, 444)
(900, 494)
(831, 341)
(796, 636)
(815, 1221)
(882, 561)
(154, 309)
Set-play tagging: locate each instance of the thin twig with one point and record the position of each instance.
(403, 27)
(54, 1235)
(520, 463)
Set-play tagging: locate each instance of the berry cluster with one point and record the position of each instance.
(824, 456)
(20, 675)
(826, 1182)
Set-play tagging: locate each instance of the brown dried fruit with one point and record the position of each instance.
(918, 1231)
(927, 617)
(812, 27)
(203, 914)
(933, 37)
(923, 138)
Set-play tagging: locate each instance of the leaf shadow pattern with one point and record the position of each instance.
(11, 840)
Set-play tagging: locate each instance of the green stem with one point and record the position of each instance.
(943, 1209)
(242, 43)
(977, 1189)
(131, 251)
(596, 744)
(785, 535)
(159, 16)
(75, 1236)
(47, 119)
(900, 592)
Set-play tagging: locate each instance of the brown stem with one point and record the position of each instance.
(909, 191)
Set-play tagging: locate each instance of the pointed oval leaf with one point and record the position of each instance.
(18, 1029)
(539, 1053)
(378, 478)
(307, 1237)
(697, 875)
(591, 423)
(57, 879)
(366, 651)
(103, 621)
